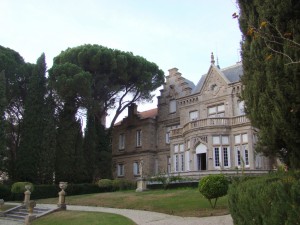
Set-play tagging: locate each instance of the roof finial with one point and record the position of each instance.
(218, 62)
(212, 58)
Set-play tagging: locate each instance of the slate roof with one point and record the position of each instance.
(232, 73)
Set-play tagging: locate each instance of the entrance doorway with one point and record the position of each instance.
(201, 161)
(201, 152)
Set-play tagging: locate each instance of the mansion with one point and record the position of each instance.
(194, 131)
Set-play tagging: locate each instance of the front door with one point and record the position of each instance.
(201, 161)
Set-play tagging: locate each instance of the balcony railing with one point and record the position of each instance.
(210, 122)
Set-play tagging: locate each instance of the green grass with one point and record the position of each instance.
(180, 202)
(80, 218)
(6, 207)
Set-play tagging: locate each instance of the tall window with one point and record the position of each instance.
(221, 151)
(193, 115)
(216, 111)
(122, 141)
(120, 170)
(139, 138)
(136, 168)
(172, 106)
(241, 150)
(179, 157)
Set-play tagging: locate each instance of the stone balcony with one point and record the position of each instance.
(208, 123)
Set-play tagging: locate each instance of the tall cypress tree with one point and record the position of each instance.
(271, 54)
(2, 120)
(69, 162)
(29, 155)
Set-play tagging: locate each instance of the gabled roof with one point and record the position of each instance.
(232, 74)
(151, 113)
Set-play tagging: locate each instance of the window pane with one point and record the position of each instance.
(226, 156)
(182, 147)
(216, 140)
(172, 106)
(245, 138)
(221, 108)
(175, 148)
(237, 139)
(225, 140)
(217, 157)
(194, 115)
(212, 110)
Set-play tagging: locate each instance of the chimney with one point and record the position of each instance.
(132, 110)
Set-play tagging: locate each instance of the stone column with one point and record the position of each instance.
(61, 195)
(27, 194)
(141, 182)
(1, 205)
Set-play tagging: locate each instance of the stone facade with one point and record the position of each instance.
(195, 130)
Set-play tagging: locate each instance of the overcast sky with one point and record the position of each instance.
(170, 33)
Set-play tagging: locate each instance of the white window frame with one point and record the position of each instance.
(187, 161)
(221, 151)
(122, 141)
(242, 153)
(138, 138)
(120, 170)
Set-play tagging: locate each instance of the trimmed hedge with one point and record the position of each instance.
(270, 199)
(121, 185)
(105, 185)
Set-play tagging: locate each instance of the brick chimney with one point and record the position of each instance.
(132, 110)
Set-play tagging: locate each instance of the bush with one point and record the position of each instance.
(105, 185)
(45, 191)
(213, 187)
(80, 189)
(19, 187)
(121, 184)
(270, 199)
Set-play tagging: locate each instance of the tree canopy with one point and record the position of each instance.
(104, 78)
(270, 52)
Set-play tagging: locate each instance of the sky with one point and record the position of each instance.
(170, 33)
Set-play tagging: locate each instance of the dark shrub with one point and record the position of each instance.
(5, 192)
(213, 187)
(121, 184)
(105, 185)
(270, 199)
(45, 191)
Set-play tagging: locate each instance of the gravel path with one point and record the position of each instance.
(148, 218)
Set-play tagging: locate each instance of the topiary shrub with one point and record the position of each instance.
(105, 184)
(213, 187)
(19, 187)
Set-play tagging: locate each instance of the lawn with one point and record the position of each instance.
(79, 218)
(180, 202)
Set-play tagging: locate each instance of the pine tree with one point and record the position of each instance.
(31, 145)
(271, 75)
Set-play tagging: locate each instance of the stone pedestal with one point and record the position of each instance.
(30, 216)
(27, 194)
(61, 196)
(141, 185)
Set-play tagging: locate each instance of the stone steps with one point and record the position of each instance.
(19, 213)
